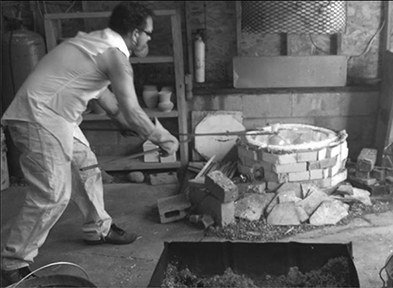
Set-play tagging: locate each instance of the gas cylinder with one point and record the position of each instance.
(199, 60)
(22, 49)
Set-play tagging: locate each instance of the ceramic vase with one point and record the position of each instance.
(165, 104)
(150, 96)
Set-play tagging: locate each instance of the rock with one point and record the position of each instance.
(360, 195)
(344, 189)
(252, 206)
(301, 214)
(136, 177)
(295, 187)
(289, 196)
(284, 192)
(283, 214)
(314, 198)
(329, 212)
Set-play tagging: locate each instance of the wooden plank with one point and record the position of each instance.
(50, 33)
(180, 87)
(238, 26)
(190, 42)
(117, 163)
(290, 71)
(152, 59)
(78, 15)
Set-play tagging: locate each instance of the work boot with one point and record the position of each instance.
(115, 236)
(14, 276)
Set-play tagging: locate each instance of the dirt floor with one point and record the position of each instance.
(133, 206)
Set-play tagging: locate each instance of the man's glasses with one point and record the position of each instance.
(150, 34)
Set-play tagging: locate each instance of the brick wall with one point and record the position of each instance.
(351, 108)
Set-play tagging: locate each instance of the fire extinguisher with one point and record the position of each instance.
(199, 48)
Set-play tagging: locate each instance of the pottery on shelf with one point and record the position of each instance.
(150, 96)
(165, 104)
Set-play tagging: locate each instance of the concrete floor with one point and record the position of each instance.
(133, 206)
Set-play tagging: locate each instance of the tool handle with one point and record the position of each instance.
(128, 157)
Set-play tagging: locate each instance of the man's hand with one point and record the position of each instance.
(165, 140)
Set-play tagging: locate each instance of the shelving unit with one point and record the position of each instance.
(53, 33)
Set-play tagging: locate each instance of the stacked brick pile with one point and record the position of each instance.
(324, 167)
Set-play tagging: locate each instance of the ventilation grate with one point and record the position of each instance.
(294, 17)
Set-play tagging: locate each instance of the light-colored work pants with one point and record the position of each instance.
(53, 178)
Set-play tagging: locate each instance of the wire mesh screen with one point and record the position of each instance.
(294, 17)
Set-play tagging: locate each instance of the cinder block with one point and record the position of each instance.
(205, 203)
(323, 183)
(173, 208)
(286, 168)
(221, 186)
(307, 156)
(366, 159)
(299, 176)
(362, 174)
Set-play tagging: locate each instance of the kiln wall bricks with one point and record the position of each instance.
(320, 166)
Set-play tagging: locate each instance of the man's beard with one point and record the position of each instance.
(141, 51)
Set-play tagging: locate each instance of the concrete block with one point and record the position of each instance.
(286, 168)
(221, 186)
(289, 71)
(173, 208)
(366, 159)
(307, 156)
(362, 174)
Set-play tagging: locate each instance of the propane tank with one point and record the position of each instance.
(22, 49)
(199, 60)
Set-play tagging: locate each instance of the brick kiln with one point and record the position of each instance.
(293, 153)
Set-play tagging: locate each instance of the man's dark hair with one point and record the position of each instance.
(128, 16)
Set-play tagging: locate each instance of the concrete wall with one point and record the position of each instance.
(352, 109)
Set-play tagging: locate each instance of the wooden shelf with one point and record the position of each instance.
(149, 112)
(151, 59)
(53, 34)
(119, 163)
